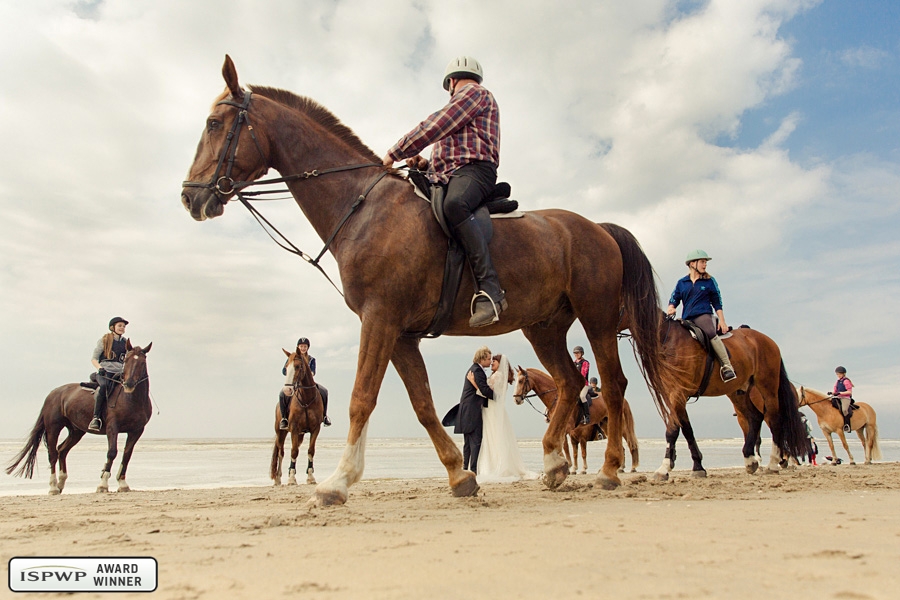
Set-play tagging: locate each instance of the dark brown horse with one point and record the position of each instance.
(761, 392)
(71, 407)
(534, 382)
(390, 252)
(304, 416)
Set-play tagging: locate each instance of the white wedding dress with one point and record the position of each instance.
(500, 460)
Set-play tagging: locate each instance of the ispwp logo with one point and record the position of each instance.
(84, 574)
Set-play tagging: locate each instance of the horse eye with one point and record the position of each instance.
(213, 124)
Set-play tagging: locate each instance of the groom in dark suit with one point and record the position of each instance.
(469, 421)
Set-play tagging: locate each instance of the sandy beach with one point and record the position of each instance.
(809, 532)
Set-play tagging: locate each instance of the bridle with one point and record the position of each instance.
(223, 185)
(527, 386)
(133, 386)
(295, 385)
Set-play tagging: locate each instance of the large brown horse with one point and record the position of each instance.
(761, 392)
(71, 407)
(390, 252)
(831, 420)
(536, 383)
(304, 416)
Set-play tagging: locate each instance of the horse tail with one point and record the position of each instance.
(794, 441)
(642, 314)
(630, 436)
(876, 447)
(29, 452)
(276, 455)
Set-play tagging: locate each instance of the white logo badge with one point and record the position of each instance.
(84, 574)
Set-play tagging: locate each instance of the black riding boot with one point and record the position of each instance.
(99, 402)
(489, 300)
(284, 403)
(324, 393)
(585, 413)
(847, 418)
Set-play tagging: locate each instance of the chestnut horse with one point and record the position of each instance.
(831, 420)
(391, 252)
(305, 415)
(71, 406)
(760, 392)
(534, 382)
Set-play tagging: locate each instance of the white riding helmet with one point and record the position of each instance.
(463, 67)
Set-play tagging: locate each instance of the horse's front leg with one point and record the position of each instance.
(296, 442)
(130, 441)
(310, 455)
(583, 444)
(377, 341)
(567, 439)
(668, 463)
(830, 441)
(841, 435)
(407, 359)
(112, 441)
(52, 436)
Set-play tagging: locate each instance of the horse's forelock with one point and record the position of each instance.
(219, 98)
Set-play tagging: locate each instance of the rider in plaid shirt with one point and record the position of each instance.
(464, 161)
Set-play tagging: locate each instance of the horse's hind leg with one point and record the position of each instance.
(74, 436)
(750, 420)
(867, 446)
(697, 470)
(549, 344)
(583, 444)
(376, 345)
(130, 441)
(841, 435)
(407, 359)
(662, 473)
(52, 438)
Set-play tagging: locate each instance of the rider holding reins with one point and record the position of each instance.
(464, 161)
(843, 389)
(700, 294)
(109, 360)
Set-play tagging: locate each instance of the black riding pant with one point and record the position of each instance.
(469, 186)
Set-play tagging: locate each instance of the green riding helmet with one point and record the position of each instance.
(696, 255)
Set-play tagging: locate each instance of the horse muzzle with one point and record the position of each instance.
(518, 399)
(288, 390)
(202, 203)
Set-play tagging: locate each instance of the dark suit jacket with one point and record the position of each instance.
(470, 403)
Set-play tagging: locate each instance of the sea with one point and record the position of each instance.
(161, 464)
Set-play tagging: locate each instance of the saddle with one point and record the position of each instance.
(90, 385)
(702, 339)
(496, 205)
(836, 402)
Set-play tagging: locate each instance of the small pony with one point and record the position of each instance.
(831, 420)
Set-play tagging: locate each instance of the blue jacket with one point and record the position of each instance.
(700, 298)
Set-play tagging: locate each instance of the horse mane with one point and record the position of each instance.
(319, 114)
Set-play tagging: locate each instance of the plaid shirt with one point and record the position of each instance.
(466, 130)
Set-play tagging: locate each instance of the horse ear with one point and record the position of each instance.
(128, 346)
(519, 367)
(147, 349)
(231, 79)
(286, 353)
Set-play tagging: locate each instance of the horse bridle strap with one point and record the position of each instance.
(224, 185)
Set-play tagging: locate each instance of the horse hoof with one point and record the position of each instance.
(634, 469)
(293, 481)
(698, 474)
(309, 480)
(124, 488)
(102, 490)
(465, 488)
(276, 482)
(54, 491)
(657, 476)
(583, 472)
(554, 478)
(621, 469)
(331, 498)
(852, 462)
(606, 483)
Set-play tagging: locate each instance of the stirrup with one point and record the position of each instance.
(846, 429)
(494, 305)
(326, 421)
(283, 424)
(727, 374)
(96, 424)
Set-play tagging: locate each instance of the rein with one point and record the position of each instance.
(222, 185)
(527, 383)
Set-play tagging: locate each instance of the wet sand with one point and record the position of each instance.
(809, 532)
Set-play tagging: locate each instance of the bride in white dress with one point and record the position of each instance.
(500, 459)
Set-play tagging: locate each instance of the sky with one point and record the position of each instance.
(763, 132)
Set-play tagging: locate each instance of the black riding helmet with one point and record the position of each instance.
(303, 341)
(115, 320)
(841, 370)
